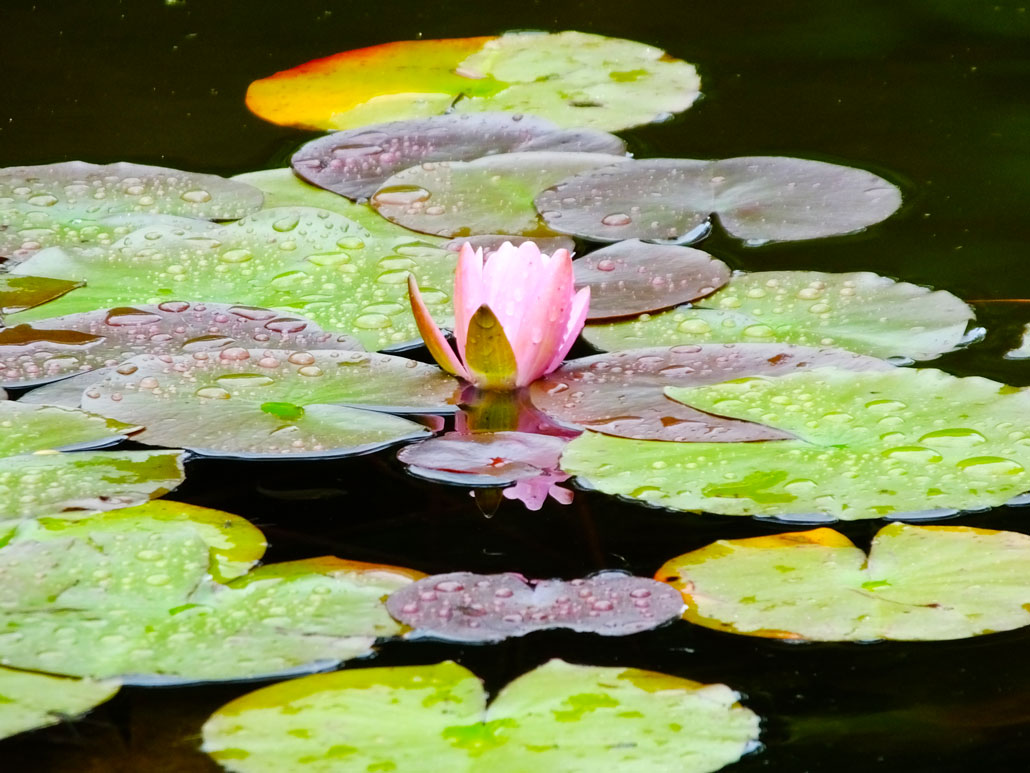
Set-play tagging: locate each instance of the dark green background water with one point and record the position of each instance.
(934, 94)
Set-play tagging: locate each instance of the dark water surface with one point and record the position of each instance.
(934, 94)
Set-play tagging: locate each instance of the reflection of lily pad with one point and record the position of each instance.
(66, 204)
(266, 403)
(918, 582)
(28, 700)
(621, 393)
(463, 606)
(26, 429)
(572, 78)
(313, 262)
(492, 195)
(870, 444)
(758, 198)
(18, 293)
(54, 348)
(860, 311)
(355, 163)
(558, 717)
(105, 597)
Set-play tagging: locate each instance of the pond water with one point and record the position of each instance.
(929, 93)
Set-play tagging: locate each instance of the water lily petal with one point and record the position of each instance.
(469, 292)
(578, 317)
(434, 339)
(545, 318)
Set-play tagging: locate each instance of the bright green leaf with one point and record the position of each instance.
(29, 701)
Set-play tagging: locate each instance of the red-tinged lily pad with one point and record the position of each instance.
(492, 195)
(56, 348)
(356, 163)
(622, 393)
(18, 293)
(463, 606)
(757, 198)
(67, 203)
(634, 277)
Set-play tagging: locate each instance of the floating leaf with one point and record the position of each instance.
(110, 597)
(307, 261)
(1021, 352)
(29, 701)
(634, 277)
(18, 293)
(572, 78)
(463, 606)
(54, 348)
(862, 312)
(492, 195)
(66, 204)
(355, 163)
(49, 483)
(254, 403)
(622, 393)
(870, 444)
(757, 198)
(26, 429)
(558, 717)
(918, 583)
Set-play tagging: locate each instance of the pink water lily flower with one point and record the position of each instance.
(515, 318)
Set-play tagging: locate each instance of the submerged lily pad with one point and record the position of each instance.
(492, 195)
(66, 204)
(558, 717)
(634, 277)
(308, 261)
(254, 403)
(355, 163)
(129, 595)
(869, 445)
(26, 429)
(572, 78)
(757, 198)
(463, 606)
(861, 312)
(18, 293)
(622, 393)
(29, 701)
(56, 348)
(918, 583)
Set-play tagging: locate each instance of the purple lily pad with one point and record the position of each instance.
(621, 393)
(462, 606)
(355, 163)
(757, 198)
(492, 242)
(634, 277)
(77, 343)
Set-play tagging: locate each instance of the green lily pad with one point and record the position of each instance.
(917, 583)
(18, 293)
(558, 717)
(29, 701)
(869, 445)
(258, 403)
(67, 203)
(131, 596)
(80, 483)
(862, 312)
(77, 343)
(491, 195)
(307, 261)
(757, 198)
(25, 429)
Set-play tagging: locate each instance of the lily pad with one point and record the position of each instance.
(298, 260)
(491, 195)
(18, 293)
(65, 204)
(869, 445)
(254, 403)
(462, 606)
(622, 393)
(26, 429)
(109, 597)
(356, 163)
(56, 348)
(558, 717)
(861, 311)
(917, 583)
(29, 701)
(634, 277)
(572, 78)
(757, 198)
(83, 482)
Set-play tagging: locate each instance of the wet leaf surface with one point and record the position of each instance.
(26, 429)
(18, 293)
(29, 701)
